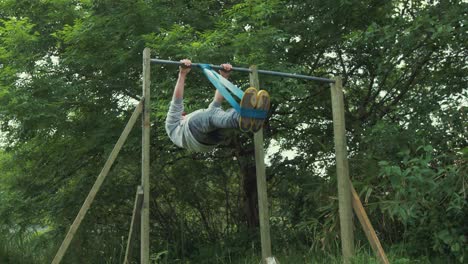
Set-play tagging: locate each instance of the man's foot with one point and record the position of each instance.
(249, 101)
(263, 103)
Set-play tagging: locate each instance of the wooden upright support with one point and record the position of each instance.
(342, 171)
(97, 185)
(261, 183)
(145, 160)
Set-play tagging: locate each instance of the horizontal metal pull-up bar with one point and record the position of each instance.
(274, 73)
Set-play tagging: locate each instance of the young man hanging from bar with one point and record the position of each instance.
(201, 130)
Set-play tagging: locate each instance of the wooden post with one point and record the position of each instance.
(136, 216)
(261, 182)
(145, 160)
(97, 185)
(367, 227)
(342, 171)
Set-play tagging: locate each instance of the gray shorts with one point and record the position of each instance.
(206, 125)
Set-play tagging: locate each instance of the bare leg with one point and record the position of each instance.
(218, 97)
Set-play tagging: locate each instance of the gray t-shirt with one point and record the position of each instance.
(179, 131)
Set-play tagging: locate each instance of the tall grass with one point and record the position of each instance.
(37, 248)
(28, 247)
(294, 256)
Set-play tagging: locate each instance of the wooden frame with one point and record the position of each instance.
(347, 196)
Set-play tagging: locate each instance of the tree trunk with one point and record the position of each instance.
(250, 200)
(245, 157)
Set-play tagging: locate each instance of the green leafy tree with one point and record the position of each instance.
(70, 74)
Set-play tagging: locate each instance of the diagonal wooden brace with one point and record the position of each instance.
(97, 185)
(136, 216)
(367, 226)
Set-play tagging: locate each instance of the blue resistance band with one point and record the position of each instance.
(223, 86)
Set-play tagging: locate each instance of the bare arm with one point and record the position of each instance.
(225, 73)
(180, 85)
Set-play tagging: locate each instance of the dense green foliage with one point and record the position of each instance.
(70, 74)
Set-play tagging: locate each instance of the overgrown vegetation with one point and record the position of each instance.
(70, 73)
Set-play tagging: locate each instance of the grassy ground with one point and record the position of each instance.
(292, 257)
(35, 250)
